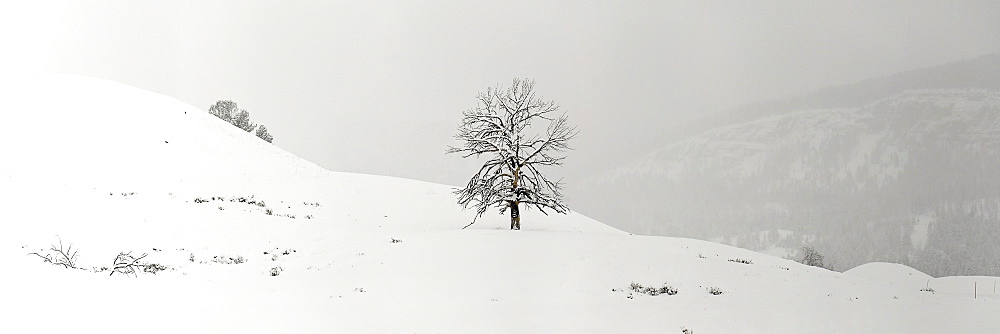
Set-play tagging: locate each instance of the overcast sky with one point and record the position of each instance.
(378, 87)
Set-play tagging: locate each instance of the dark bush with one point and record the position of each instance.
(811, 257)
(665, 289)
(263, 134)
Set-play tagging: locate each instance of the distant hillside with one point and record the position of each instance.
(908, 175)
(981, 72)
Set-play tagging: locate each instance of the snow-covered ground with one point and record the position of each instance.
(110, 168)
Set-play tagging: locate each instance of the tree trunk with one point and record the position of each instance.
(515, 216)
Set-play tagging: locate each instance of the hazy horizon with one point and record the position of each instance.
(374, 88)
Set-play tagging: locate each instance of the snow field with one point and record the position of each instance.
(106, 182)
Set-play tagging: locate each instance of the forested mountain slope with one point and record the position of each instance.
(911, 177)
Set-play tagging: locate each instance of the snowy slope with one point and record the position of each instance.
(99, 136)
(110, 169)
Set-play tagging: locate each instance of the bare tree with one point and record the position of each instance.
(500, 127)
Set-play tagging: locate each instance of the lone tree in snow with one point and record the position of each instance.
(500, 127)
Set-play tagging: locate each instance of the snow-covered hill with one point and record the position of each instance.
(254, 239)
(103, 138)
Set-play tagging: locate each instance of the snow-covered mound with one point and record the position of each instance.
(887, 272)
(900, 276)
(247, 238)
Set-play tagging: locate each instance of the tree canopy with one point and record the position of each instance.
(500, 127)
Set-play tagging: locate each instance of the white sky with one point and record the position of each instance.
(378, 87)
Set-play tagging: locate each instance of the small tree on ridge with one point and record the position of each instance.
(224, 109)
(242, 121)
(811, 257)
(262, 134)
(499, 127)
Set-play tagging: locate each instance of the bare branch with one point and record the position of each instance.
(127, 264)
(60, 257)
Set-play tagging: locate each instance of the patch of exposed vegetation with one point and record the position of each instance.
(652, 291)
(58, 255)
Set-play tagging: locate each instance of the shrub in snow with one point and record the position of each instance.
(715, 291)
(228, 260)
(228, 111)
(262, 134)
(811, 257)
(242, 121)
(153, 268)
(127, 264)
(59, 256)
(686, 331)
(743, 261)
(248, 200)
(665, 289)
(275, 254)
(395, 241)
(276, 271)
(224, 110)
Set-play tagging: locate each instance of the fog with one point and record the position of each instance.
(379, 87)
